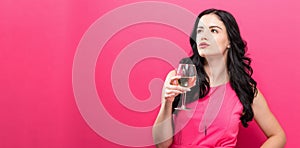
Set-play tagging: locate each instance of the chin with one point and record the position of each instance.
(201, 54)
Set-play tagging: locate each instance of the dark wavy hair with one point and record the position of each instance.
(238, 64)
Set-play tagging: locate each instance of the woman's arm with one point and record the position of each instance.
(163, 130)
(268, 123)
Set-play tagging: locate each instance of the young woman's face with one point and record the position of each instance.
(212, 38)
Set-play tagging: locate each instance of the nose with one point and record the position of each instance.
(203, 38)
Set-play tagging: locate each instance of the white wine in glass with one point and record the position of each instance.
(188, 75)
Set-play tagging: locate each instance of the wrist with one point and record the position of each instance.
(168, 103)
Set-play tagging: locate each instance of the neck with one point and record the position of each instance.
(217, 70)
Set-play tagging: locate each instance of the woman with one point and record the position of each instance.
(225, 94)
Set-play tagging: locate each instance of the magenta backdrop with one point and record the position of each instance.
(39, 40)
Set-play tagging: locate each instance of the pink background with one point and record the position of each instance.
(38, 41)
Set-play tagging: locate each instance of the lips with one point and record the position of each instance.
(203, 45)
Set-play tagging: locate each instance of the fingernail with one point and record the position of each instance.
(188, 89)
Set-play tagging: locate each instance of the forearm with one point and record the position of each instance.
(276, 141)
(162, 129)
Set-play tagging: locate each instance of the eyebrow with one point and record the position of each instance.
(201, 27)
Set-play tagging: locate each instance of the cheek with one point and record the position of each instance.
(222, 42)
(198, 39)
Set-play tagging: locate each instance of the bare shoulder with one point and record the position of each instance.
(258, 96)
(259, 104)
(259, 101)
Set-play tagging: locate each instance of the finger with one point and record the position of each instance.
(174, 80)
(175, 92)
(170, 96)
(174, 87)
(175, 77)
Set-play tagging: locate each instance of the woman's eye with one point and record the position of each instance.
(214, 31)
(199, 31)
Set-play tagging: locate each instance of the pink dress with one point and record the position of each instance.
(213, 121)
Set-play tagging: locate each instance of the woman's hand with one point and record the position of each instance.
(172, 88)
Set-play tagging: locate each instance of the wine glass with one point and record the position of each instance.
(187, 74)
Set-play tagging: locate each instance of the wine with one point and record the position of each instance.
(187, 74)
(187, 81)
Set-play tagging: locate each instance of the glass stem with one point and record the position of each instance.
(183, 98)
